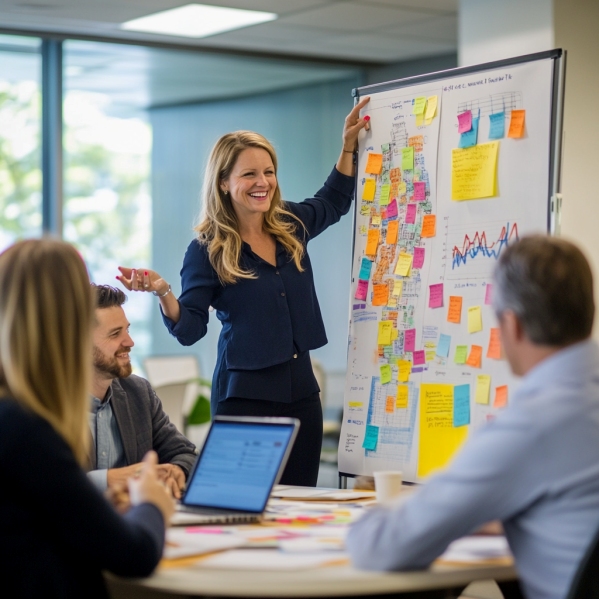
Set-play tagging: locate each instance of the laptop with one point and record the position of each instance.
(239, 464)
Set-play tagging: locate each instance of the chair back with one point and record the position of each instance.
(163, 370)
(585, 584)
(173, 397)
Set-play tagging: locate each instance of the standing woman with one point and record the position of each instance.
(58, 532)
(249, 261)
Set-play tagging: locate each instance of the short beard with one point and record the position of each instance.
(110, 367)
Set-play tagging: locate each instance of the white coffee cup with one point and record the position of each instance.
(387, 484)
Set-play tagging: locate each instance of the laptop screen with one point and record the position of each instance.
(238, 465)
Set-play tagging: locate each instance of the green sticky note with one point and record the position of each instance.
(384, 198)
(461, 353)
(371, 437)
(407, 159)
(384, 148)
(385, 374)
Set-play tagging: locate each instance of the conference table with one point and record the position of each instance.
(194, 577)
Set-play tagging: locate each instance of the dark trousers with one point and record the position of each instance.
(302, 466)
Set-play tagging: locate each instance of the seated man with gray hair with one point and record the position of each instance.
(536, 466)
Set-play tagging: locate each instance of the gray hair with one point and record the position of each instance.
(547, 283)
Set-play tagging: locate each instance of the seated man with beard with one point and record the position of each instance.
(126, 417)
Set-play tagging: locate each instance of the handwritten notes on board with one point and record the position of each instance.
(369, 189)
(429, 225)
(372, 242)
(475, 319)
(483, 389)
(497, 125)
(419, 253)
(374, 165)
(516, 129)
(371, 438)
(474, 172)
(401, 398)
(435, 299)
(461, 405)
(494, 350)
(454, 312)
(407, 159)
(464, 121)
(404, 264)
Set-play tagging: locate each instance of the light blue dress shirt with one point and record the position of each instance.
(535, 468)
(107, 440)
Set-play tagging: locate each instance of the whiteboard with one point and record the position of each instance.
(410, 400)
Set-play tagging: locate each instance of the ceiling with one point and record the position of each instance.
(353, 31)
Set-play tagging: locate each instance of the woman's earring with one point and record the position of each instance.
(225, 192)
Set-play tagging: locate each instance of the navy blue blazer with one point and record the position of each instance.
(269, 323)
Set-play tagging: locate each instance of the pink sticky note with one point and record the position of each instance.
(435, 299)
(465, 121)
(392, 209)
(419, 358)
(411, 214)
(409, 340)
(362, 290)
(419, 191)
(418, 258)
(489, 295)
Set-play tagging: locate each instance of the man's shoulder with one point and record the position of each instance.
(132, 384)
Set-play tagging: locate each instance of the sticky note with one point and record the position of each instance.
(380, 294)
(429, 225)
(435, 299)
(365, 269)
(392, 230)
(431, 107)
(474, 359)
(372, 242)
(411, 214)
(430, 355)
(419, 105)
(404, 369)
(371, 437)
(385, 374)
(384, 197)
(461, 405)
(461, 351)
(376, 219)
(394, 175)
(404, 264)
(355, 404)
(494, 350)
(474, 172)
(384, 337)
(419, 357)
(392, 209)
(465, 121)
(489, 294)
(410, 340)
(454, 312)
(497, 125)
(407, 159)
(394, 334)
(500, 397)
(374, 164)
(419, 120)
(419, 191)
(369, 190)
(361, 290)
(397, 288)
(418, 257)
(517, 124)
(390, 404)
(443, 345)
(401, 400)
(475, 319)
(401, 188)
(470, 138)
(483, 389)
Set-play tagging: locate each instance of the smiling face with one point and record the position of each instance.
(112, 343)
(252, 183)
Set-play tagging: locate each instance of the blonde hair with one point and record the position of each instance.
(46, 316)
(219, 226)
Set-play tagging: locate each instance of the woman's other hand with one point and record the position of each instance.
(351, 128)
(138, 279)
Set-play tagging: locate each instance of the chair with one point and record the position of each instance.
(585, 584)
(172, 397)
(330, 428)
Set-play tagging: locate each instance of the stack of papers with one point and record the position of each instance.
(479, 548)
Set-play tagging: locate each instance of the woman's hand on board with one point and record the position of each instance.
(351, 129)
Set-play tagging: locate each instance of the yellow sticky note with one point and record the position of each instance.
(404, 264)
(374, 165)
(401, 401)
(384, 337)
(439, 439)
(404, 370)
(419, 105)
(394, 334)
(431, 108)
(429, 225)
(372, 243)
(474, 172)
(369, 190)
(430, 355)
(475, 319)
(385, 374)
(419, 120)
(376, 219)
(355, 404)
(483, 389)
(402, 189)
(397, 288)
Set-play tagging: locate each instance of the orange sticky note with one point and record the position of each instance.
(392, 230)
(454, 313)
(494, 350)
(380, 295)
(372, 243)
(390, 404)
(429, 225)
(474, 359)
(500, 397)
(374, 165)
(517, 123)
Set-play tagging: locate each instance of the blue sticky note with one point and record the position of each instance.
(497, 128)
(365, 269)
(443, 345)
(371, 437)
(461, 405)
(469, 139)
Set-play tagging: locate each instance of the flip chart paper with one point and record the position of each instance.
(410, 340)
(461, 351)
(483, 389)
(497, 125)
(470, 138)
(384, 198)
(407, 159)
(474, 359)
(401, 400)
(361, 290)
(516, 129)
(431, 108)
(475, 319)
(371, 437)
(429, 225)
(380, 294)
(418, 257)
(419, 358)
(494, 350)
(500, 397)
(435, 299)
(369, 190)
(404, 368)
(489, 295)
(374, 164)
(372, 242)
(439, 439)
(390, 404)
(419, 105)
(461, 405)
(443, 345)
(411, 214)
(385, 374)
(397, 288)
(404, 264)
(419, 191)
(474, 172)
(365, 269)
(384, 337)
(465, 121)
(392, 209)
(392, 230)
(454, 313)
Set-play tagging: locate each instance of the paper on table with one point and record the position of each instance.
(315, 494)
(477, 548)
(179, 543)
